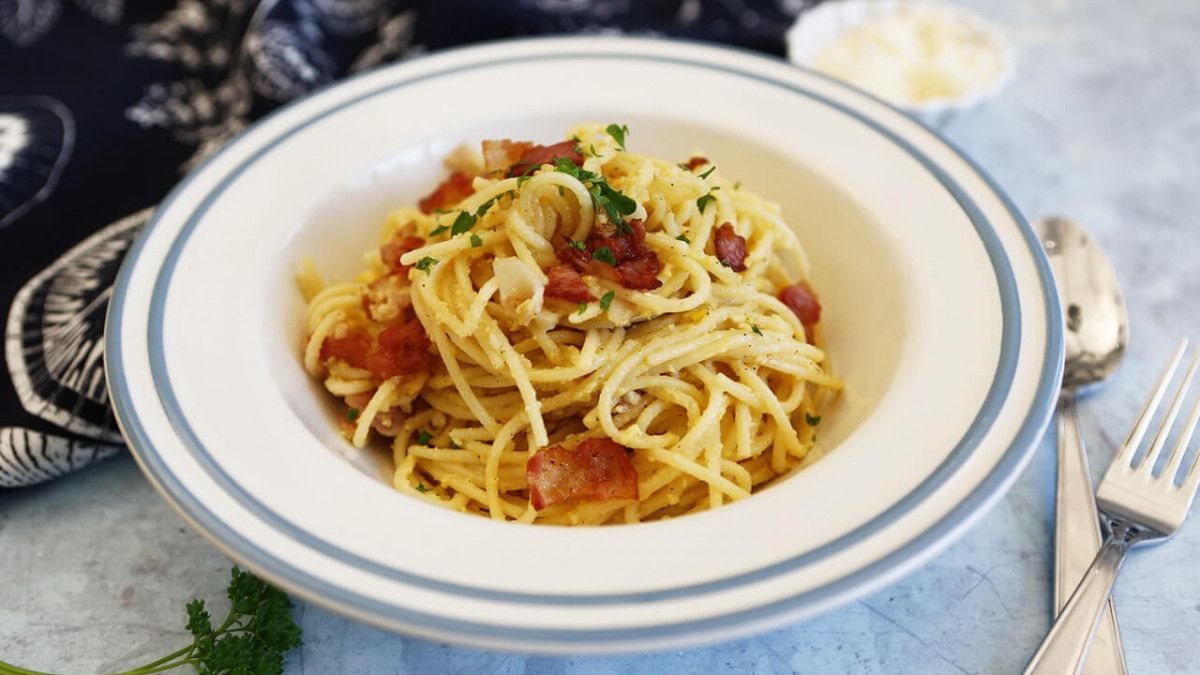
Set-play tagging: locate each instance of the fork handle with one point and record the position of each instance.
(1067, 643)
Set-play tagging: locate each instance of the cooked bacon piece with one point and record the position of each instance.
(564, 282)
(451, 191)
(352, 348)
(801, 299)
(500, 155)
(598, 469)
(403, 349)
(544, 154)
(696, 162)
(730, 247)
(637, 266)
(640, 274)
(392, 251)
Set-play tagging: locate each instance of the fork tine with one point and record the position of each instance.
(1134, 439)
(1164, 429)
(1181, 445)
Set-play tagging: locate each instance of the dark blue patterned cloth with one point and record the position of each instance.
(104, 105)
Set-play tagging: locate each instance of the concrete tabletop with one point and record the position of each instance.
(1102, 122)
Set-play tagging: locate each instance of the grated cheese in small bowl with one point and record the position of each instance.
(931, 59)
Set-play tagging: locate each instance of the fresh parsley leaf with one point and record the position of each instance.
(684, 239)
(607, 299)
(561, 191)
(462, 223)
(352, 414)
(707, 173)
(605, 254)
(756, 329)
(592, 150)
(199, 621)
(424, 437)
(425, 264)
(421, 488)
(604, 196)
(521, 180)
(438, 230)
(475, 240)
(813, 420)
(483, 208)
(618, 133)
(703, 201)
(682, 165)
(439, 210)
(455, 445)
(577, 244)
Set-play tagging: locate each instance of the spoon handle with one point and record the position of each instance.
(1077, 538)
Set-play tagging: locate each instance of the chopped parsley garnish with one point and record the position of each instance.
(710, 170)
(702, 202)
(438, 230)
(607, 299)
(455, 445)
(604, 196)
(475, 240)
(424, 437)
(352, 414)
(462, 223)
(618, 133)
(441, 210)
(605, 254)
(421, 488)
(561, 191)
(577, 244)
(683, 165)
(521, 179)
(684, 239)
(813, 420)
(425, 264)
(756, 329)
(582, 307)
(724, 262)
(483, 208)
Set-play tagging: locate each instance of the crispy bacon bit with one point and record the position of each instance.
(544, 154)
(501, 154)
(403, 349)
(637, 266)
(564, 282)
(596, 470)
(801, 299)
(352, 348)
(451, 191)
(730, 247)
(392, 251)
(696, 162)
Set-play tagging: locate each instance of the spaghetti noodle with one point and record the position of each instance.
(578, 334)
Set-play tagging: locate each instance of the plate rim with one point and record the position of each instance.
(996, 480)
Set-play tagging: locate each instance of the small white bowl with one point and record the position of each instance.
(816, 29)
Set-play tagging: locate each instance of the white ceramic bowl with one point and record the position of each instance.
(817, 28)
(940, 317)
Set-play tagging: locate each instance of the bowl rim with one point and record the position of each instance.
(997, 478)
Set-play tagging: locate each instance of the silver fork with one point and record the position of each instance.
(1138, 507)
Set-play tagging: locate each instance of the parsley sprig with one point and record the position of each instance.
(604, 196)
(253, 637)
(702, 202)
(618, 133)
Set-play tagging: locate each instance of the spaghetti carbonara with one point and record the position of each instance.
(577, 334)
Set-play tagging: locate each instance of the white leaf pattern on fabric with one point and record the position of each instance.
(28, 457)
(24, 22)
(347, 17)
(286, 64)
(393, 40)
(37, 134)
(54, 338)
(108, 11)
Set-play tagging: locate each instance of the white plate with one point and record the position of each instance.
(940, 316)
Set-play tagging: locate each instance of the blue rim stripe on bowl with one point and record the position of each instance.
(301, 580)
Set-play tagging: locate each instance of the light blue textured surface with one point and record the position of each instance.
(1101, 123)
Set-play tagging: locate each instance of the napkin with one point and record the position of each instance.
(105, 104)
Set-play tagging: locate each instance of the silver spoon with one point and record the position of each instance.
(1097, 329)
